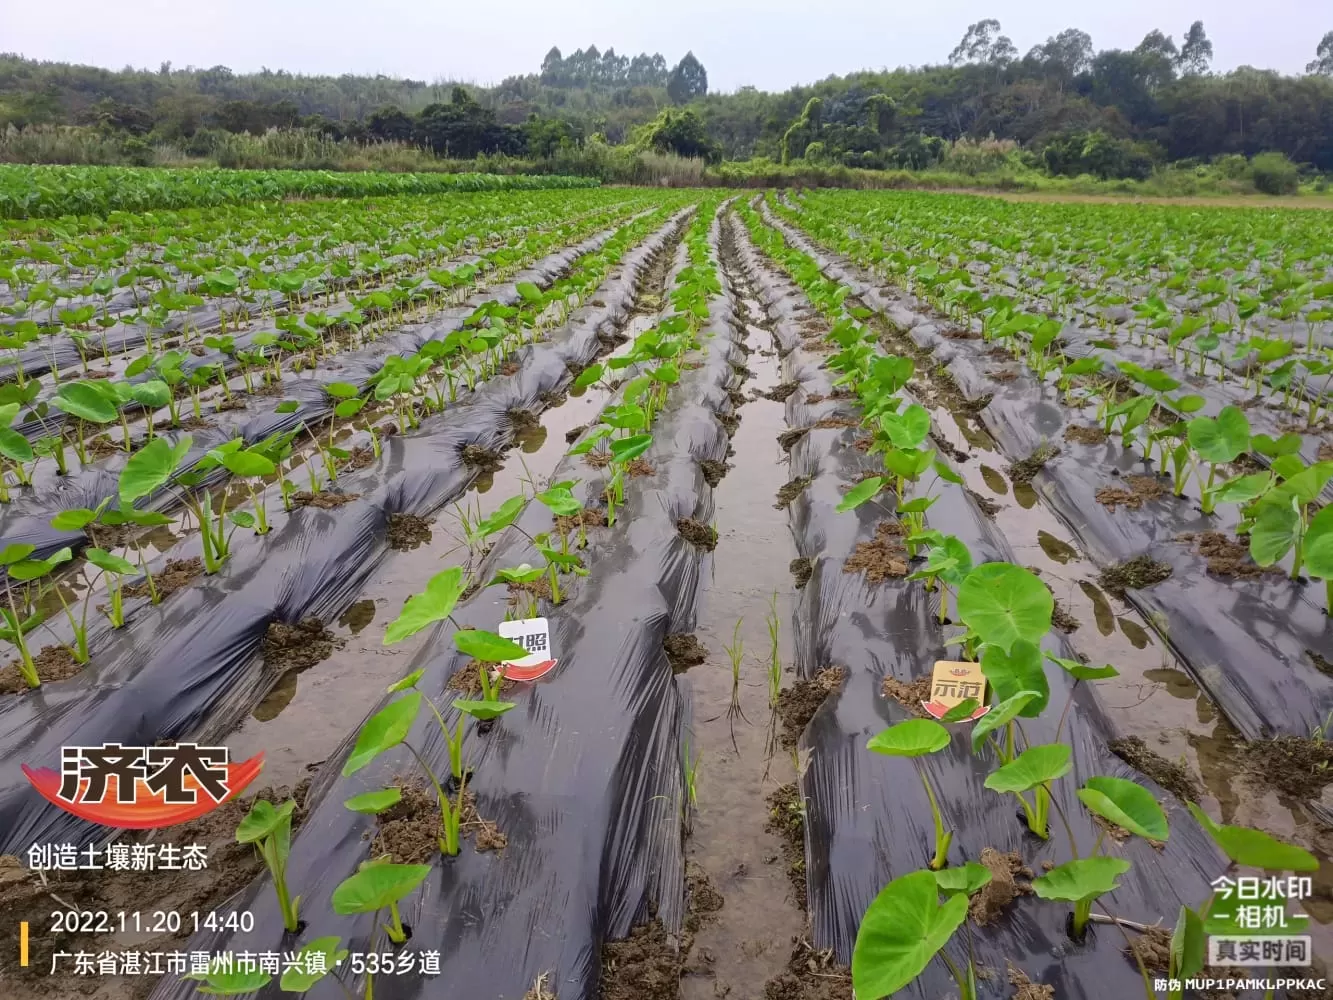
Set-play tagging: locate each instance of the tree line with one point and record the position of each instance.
(1063, 107)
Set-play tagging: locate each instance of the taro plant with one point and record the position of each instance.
(377, 885)
(1032, 771)
(21, 613)
(918, 738)
(269, 828)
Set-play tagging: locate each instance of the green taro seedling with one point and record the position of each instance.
(21, 614)
(377, 885)
(310, 965)
(269, 828)
(918, 738)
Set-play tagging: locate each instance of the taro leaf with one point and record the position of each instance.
(376, 801)
(561, 501)
(1034, 766)
(103, 559)
(342, 390)
(349, 408)
(1255, 848)
(1317, 548)
(287, 406)
(73, 520)
(14, 446)
(961, 712)
(297, 979)
(503, 517)
(1306, 484)
(947, 474)
(223, 983)
(1221, 439)
(1000, 715)
(522, 573)
(1188, 945)
(588, 376)
(242, 519)
(16, 552)
(1074, 881)
(487, 646)
(1002, 602)
(902, 930)
(588, 443)
(1126, 804)
(263, 819)
(1287, 444)
(432, 605)
(245, 463)
(150, 467)
(85, 401)
(1274, 532)
(909, 428)
(529, 291)
(626, 450)
(384, 730)
(860, 493)
(154, 394)
(410, 681)
(377, 886)
(911, 738)
(483, 711)
(1081, 671)
(966, 879)
(1020, 669)
(32, 569)
(1243, 489)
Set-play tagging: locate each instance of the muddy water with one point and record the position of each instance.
(748, 940)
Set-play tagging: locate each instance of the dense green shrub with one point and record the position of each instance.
(1273, 173)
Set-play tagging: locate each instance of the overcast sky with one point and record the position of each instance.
(771, 44)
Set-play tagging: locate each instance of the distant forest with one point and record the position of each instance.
(1064, 107)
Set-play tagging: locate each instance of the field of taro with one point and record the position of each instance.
(276, 474)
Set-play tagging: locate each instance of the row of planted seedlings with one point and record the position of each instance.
(87, 414)
(399, 364)
(1270, 364)
(1194, 332)
(460, 736)
(999, 615)
(299, 334)
(404, 389)
(308, 564)
(1196, 532)
(328, 249)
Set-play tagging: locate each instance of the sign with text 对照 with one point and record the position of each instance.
(534, 635)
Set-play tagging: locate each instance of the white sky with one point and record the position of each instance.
(772, 44)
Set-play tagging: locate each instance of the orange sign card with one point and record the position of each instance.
(953, 682)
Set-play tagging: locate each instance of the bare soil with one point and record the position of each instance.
(802, 569)
(909, 695)
(644, 966)
(300, 646)
(810, 975)
(786, 819)
(684, 651)
(1173, 777)
(53, 663)
(324, 500)
(1137, 573)
(882, 558)
(1226, 556)
(700, 535)
(798, 703)
(1010, 878)
(407, 531)
(1134, 494)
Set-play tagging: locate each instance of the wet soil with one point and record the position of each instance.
(910, 696)
(786, 819)
(988, 507)
(791, 490)
(1026, 469)
(810, 975)
(298, 647)
(1137, 491)
(1082, 434)
(1226, 556)
(798, 703)
(644, 966)
(1026, 989)
(23, 897)
(1297, 765)
(701, 536)
(788, 439)
(176, 574)
(1010, 878)
(483, 458)
(801, 570)
(1151, 947)
(779, 393)
(1171, 775)
(639, 468)
(684, 651)
(1137, 573)
(882, 558)
(53, 663)
(713, 471)
(324, 500)
(407, 531)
